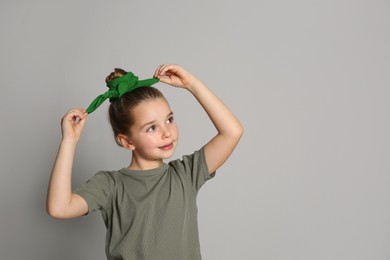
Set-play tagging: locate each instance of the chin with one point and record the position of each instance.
(168, 155)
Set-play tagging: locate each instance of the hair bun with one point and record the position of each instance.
(118, 72)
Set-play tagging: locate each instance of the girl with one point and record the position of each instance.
(149, 208)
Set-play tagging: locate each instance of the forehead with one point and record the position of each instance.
(149, 110)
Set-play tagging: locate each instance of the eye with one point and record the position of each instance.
(151, 129)
(170, 120)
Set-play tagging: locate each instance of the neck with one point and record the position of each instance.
(137, 164)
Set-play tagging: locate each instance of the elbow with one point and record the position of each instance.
(237, 132)
(54, 211)
(233, 135)
(241, 130)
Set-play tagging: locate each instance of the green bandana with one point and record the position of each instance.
(118, 87)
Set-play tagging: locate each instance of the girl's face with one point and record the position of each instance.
(154, 134)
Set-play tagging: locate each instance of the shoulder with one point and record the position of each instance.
(106, 177)
(188, 159)
(191, 163)
(193, 168)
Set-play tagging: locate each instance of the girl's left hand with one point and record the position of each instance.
(174, 75)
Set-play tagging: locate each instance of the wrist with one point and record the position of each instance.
(69, 141)
(194, 85)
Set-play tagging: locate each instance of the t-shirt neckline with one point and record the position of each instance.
(155, 171)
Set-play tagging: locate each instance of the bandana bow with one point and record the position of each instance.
(118, 87)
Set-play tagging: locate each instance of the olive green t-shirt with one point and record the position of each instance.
(150, 214)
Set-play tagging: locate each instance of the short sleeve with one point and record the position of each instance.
(195, 166)
(95, 191)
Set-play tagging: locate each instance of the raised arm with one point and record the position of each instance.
(61, 203)
(229, 129)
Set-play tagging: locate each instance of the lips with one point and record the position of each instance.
(166, 147)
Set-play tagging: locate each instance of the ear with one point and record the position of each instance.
(125, 142)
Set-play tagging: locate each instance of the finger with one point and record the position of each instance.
(164, 68)
(79, 110)
(165, 80)
(80, 121)
(172, 69)
(156, 73)
(76, 113)
(160, 69)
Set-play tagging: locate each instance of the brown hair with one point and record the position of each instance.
(120, 110)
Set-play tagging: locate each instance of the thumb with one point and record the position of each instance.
(165, 79)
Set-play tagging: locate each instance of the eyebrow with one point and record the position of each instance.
(154, 121)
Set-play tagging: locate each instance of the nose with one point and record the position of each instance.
(166, 132)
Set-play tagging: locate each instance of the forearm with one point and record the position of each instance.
(60, 186)
(229, 129)
(220, 115)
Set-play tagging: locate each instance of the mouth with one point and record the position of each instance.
(167, 147)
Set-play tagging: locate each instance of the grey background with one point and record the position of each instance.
(308, 79)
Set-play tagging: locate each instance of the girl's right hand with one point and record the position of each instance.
(72, 124)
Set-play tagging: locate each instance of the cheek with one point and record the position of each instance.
(176, 132)
(149, 141)
(145, 141)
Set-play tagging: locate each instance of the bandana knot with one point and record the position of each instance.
(118, 87)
